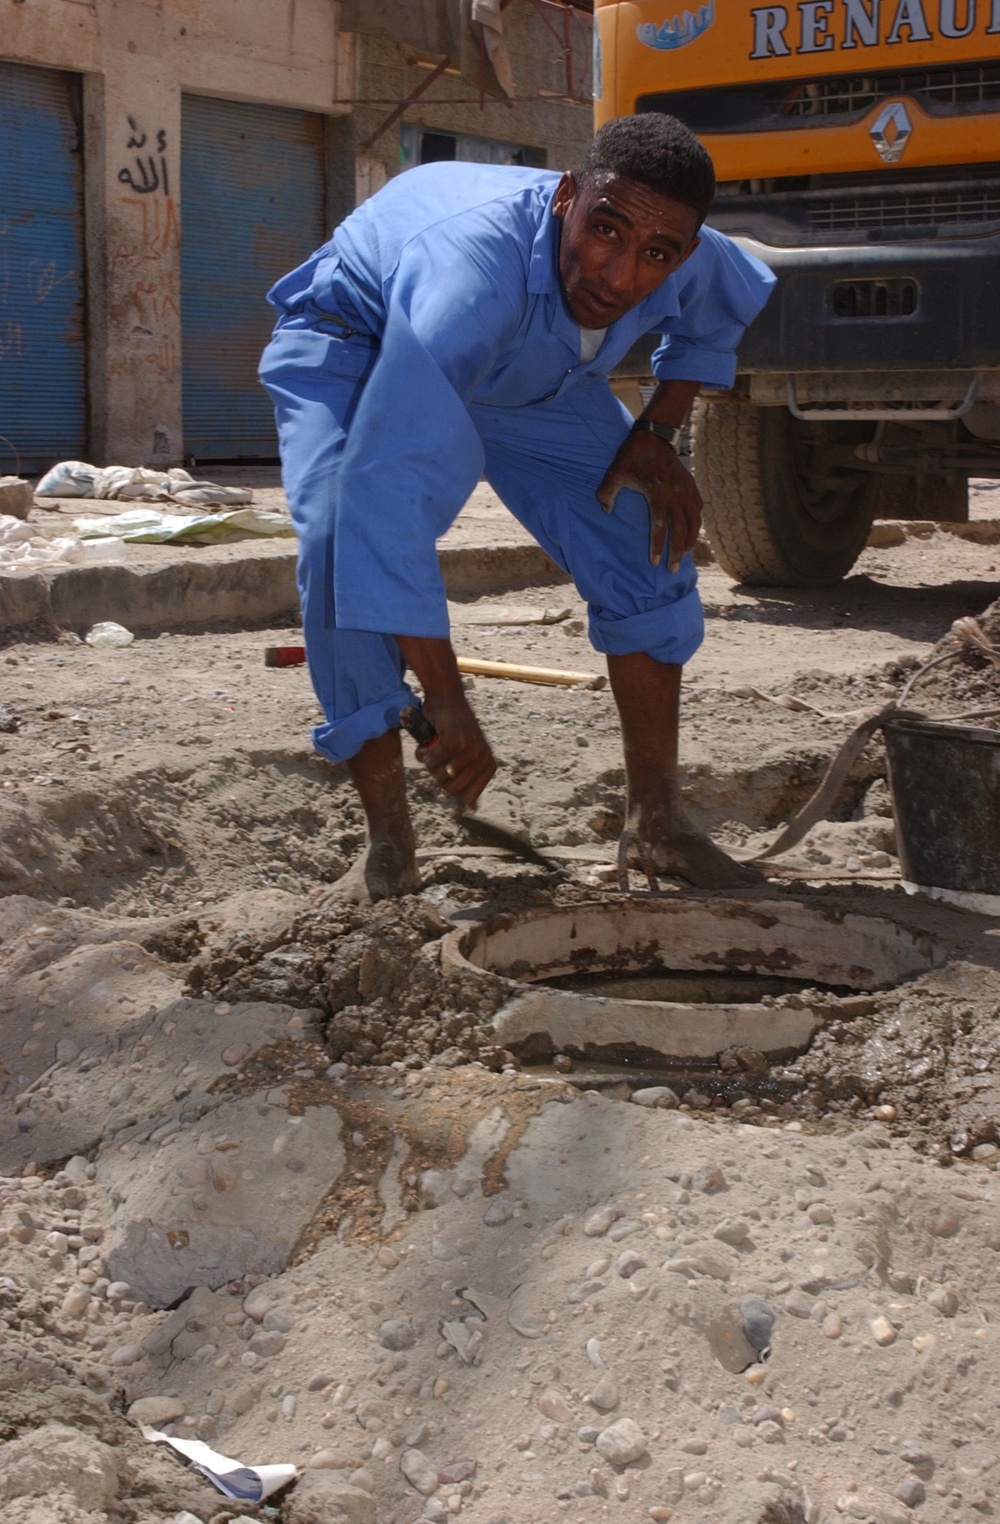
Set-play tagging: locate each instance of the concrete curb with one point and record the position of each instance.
(257, 589)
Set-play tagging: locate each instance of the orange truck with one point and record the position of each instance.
(857, 149)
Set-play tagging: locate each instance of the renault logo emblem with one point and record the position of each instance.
(891, 131)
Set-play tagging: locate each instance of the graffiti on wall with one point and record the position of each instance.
(145, 254)
(147, 172)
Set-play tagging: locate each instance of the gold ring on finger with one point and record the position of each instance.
(449, 771)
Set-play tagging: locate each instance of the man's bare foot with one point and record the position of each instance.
(384, 871)
(674, 848)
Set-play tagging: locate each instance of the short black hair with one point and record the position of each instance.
(656, 150)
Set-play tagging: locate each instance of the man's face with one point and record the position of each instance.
(620, 240)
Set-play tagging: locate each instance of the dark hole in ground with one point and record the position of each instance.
(687, 987)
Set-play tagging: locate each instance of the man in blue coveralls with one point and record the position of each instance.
(462, 323)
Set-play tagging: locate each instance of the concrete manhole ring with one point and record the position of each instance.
(813, 943)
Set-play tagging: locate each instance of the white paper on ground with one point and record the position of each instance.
(246, 1484)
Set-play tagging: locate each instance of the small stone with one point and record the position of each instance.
(126, 1354)
(156, 1411)
(694, 1447)
(833, 1326)
(733, 1231)
(257, 1303)
(552, 1405)
(629, 1263)
(884, 1113)
(709, 1180)
(433, 1188)
(946, 1224)
(605, 1397)
(234, 1055)
(457, 1471)
(622, 1442)
(76, 1301)
(882, 1331)
(912, 1492)
(600, 1221)
(924, 1342)
(758, 1323)
(819, 1213)
(499, 1211)
(771, 1433)
(597, 1268)
(660, 1097)
(563, 1064)
(324, 1460)
(944, 1300)
(418, 1471)
(397, 1334)
(267, 1344)
(798, 1304)
(661, 1512)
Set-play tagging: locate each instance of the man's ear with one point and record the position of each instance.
(563, 198)
(688, 251)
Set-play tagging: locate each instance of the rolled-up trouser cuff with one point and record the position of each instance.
(339, 740)
(671, 633)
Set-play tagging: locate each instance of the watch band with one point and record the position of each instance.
(671, 436)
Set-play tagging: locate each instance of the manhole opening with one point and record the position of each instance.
(685, 987)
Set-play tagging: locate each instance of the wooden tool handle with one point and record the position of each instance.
(554, 676)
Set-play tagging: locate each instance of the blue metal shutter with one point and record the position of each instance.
(43, 387)
(253, 206)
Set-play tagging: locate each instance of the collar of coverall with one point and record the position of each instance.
(543, 280)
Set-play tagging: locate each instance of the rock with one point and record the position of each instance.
(912, 1492)
(946, 1224)
(629, 1263)
(75, 1302)
(433, 1188)
(819, 1213)
(126, 1354)
(499, 1211)
(729, 1343)
(555, 1407)
(527, 1309)
(622, 1442)
(54, 1458)
(659, 1096)
(397, 1334)
(882, 1331)
(833, 1325)
(734, 1232)
(455, 1472)
(600, 1221)
(418, 1472)
(709, 1180)
(605, 1397)
(267, 1344)
(944, 1300)
(257, 1304)
(319, 1498)
(758, 1323)
(155, 1411)
(17, 497)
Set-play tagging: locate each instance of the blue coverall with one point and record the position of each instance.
(427, 345)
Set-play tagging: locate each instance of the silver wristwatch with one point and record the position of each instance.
(671, 436)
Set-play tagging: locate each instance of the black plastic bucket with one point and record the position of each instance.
(945, 782)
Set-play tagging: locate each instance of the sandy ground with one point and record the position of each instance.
(268, 1170)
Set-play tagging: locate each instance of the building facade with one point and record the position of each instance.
(165, 160)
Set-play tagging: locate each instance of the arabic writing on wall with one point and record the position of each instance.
(148, 172)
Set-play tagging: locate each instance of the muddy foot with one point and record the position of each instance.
(384, 871)
(685, 852)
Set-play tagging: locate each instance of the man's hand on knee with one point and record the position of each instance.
(649, 465)
(460, 759)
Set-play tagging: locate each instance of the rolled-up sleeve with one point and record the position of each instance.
(720, 290)
(413, 455)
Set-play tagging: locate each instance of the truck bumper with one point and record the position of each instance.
(912, 306)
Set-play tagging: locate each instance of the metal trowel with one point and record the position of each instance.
(486, 833)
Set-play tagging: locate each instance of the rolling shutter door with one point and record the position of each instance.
(253, 206)
(42, 356)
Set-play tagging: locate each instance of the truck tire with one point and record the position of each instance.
(771, 517)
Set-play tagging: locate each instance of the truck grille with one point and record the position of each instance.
(806, 209)
(948, 90)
